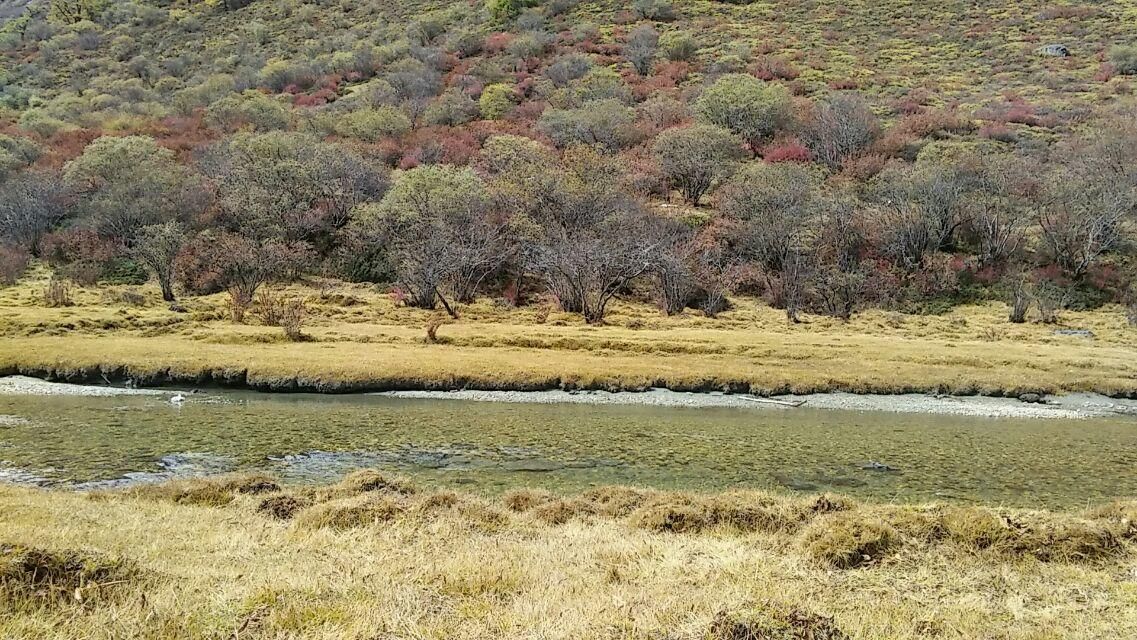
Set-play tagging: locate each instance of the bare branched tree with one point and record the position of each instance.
(31, 205)
(157, 246)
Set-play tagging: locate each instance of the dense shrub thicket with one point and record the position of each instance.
(517, 150)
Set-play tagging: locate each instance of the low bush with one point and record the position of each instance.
(13, 263)
(1124, 59)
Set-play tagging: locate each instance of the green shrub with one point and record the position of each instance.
(373, 124)
(1124, 59)
(507, 9)
(497, 100)
(678, 45)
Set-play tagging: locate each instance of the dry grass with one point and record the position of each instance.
(372, 344)
(414, 563)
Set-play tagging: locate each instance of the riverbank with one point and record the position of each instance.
(374, 554)
(1071, 406)
(357, 339)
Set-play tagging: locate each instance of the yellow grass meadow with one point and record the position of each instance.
(357, 338)
(375, 557)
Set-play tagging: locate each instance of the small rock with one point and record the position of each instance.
(1055, 50)
(1083, 333)
(1032, 398)
(873, 465)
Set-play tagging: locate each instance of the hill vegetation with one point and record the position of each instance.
(828, 157)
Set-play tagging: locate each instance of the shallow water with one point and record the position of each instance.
(491, 447)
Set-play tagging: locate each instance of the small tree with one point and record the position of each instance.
(696, 158)
(244, 265)
(157, 246)
(508, 9)
(31, 205)
(125, 183)
(641, 48)
(771, 203)
(441, 233)
(841, 127)
(746, 106)
(604, 123)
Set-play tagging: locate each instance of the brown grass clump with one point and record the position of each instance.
(772, 622)
(284, 506)
(1061, 538)
(616, 501)
(976, 528)
(208, 492)
(831, 503)
(40, 577)
(561, 511)
(349, 513)
(472, 511)
(194, 491)
(848, 540)
(367, 481)
(1120, 513)
(754, 511)
(672, 513)
(248, 483)
(522, 500)
(1046, 537)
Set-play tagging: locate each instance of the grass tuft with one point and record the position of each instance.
(350, 513)
(772, 622)
(848, 540)
(31, 577)
(368, 481)
(283, 506)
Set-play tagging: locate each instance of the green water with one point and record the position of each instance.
(491, 447)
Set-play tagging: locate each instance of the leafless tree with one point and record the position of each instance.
(840, 276)
(157, 246)
(923, 207)
(245, 265)
(591, 240)
(841, 127)
(772, 206)
(997, 207)
(31, 205)
(1082, 219)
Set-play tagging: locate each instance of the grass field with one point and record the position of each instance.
(356, 338)
(373, 557)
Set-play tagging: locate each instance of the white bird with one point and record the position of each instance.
(177, 400)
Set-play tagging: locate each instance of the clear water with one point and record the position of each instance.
(492, 447)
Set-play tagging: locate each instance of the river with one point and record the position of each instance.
(91, 442)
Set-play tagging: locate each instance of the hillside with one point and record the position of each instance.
(827, 157)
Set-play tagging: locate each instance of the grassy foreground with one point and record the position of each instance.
(375, 557)
(356, 338)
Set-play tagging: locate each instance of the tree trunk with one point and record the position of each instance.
(446, 305)
(167, 289)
